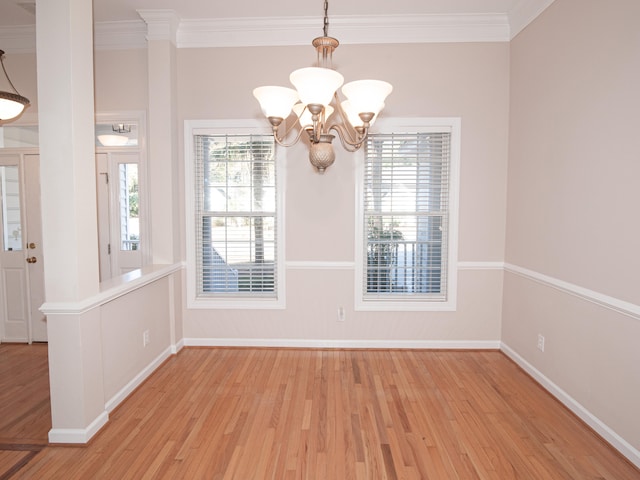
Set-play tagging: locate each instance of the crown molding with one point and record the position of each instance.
(372, 29)
(286, 31)
(525, 12)
(18, 39)
(120, 35)
(161, 24)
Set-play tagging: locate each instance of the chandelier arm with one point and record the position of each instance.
(343, 116)
(281, 142)
(347, 143)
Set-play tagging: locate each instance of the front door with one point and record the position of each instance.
(21, 265)
(35, 265)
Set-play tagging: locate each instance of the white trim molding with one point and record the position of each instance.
(480, 265)
(619, 443)
(78, 435)
(349, 29)
(606, 301)
(326, 343)
(119, 397)
(112, 289)
(319, 265)
(164, 24)
(120, 35)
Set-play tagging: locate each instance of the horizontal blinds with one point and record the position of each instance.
(406, 209)
(236, 225)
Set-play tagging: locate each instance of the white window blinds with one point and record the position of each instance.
(406, 216)
(235, 215)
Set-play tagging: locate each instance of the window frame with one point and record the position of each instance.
(411, 302)
(222, 301)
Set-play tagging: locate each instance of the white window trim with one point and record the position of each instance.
(410, 125)
(218, 127)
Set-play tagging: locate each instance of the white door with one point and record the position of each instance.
(21, 262)
(117, 186)
(104, 218)
(33, 244)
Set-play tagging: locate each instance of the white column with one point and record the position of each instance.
(67, 148)
(69, 220)
(163, 140)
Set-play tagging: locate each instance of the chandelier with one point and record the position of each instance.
(315, 100)
(11, 104)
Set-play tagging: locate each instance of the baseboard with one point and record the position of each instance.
(137, 381)
(619, 443)
(78, 435)
(177, 347)
(356, 344)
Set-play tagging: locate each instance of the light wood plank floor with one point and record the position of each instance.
(25, 415)
(337, 414)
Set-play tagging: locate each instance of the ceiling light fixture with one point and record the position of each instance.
(118, 138)
(316, 89)
(11, 104)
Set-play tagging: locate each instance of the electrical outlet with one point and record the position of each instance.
(146, 339)
(541, 342)
(341, 314)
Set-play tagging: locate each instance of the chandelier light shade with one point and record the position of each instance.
(11, 103)
(315, 99)
(276, 101)
(316, 85)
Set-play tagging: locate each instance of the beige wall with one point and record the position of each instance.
(447, 80)
(573, 202)
(121, 82)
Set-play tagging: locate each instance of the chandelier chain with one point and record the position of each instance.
(326, 18)
(5, 72)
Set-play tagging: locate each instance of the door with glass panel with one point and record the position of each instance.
(117, 177)
(21, 265)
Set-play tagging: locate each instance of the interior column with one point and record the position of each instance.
(69, 221)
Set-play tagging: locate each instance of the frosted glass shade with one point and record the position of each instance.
(113, 140)
(316, 85)
(276, 101)
(304, 115)
(367, 95)
(10, 108)
(352, 114)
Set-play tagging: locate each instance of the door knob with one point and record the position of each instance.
(32, 260)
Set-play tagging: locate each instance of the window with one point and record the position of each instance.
(11, 227)
(236, 258)
(129, 206)
(408, 217)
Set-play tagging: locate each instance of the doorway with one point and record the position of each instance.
(119, 213)
(21, 258)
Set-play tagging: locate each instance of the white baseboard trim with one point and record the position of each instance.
(177, 347)
(137, 381)
(619, 443)
(78, 435)
(377, 344)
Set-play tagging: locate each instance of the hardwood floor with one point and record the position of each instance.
(25, 415)
(282, 414)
